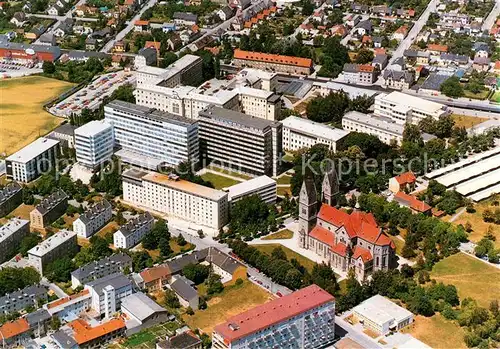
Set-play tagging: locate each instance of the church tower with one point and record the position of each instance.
(330, 186)
(308, 207)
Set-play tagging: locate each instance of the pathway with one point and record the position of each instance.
(457, 215)
(208, 170)
(495, 12)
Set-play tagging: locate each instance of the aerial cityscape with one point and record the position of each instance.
(250, 174)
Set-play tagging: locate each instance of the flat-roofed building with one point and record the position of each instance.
(108, 292)
(150, 138)
(403, 108)
(11, 235)
(278, 63)
(36, 158)
(61, 244)
(382, 315)
(116, 263)
(263, 186)
(131, 233)
(64, 134)
(11, 196)
(93, 219)
(302, 319)
(299, 133)
(142, 312)
(49, 209)
(235, 140)
(187, 70)
(94, 143)
(31, 296)
(173, 196)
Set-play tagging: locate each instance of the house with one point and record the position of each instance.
(81, 10)
(436, 49)
(155, 278)
(174, 42)
(412, 203)
(380, 61)
(360, 73)
(145, 56)
(353, 20)
(403, 182)
(185, 18)
(141, 26)
(116, 60)
(377, 41)
(47, 39)
(119, 47)
(142, 312)
(481, 49)
(185, 340)
(381, 10)
(27, 7)
(82, 30)
(481, 64)
(318, 16)
(225, 13)
(417, 57)
(101, 34)
(35, 33)
(363, 28)
(53, 11)
(168, 27)
(65, 28)
(400, 33)
(186, 293)
(496, 68)
(90, 43)
(19, 19)
(339, 30)
(447, 59)
(398, 79)
(359, 8)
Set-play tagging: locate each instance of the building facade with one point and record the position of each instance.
(11, 235)
(96, 217)
(263, 186)
(11, 196)
(61, 244)
(94, 143)
(360, 74)
(275, 63)
(49, 209)
(187, 70)
(31, 296)
(133, 231)
(98, 269)
(107, 293)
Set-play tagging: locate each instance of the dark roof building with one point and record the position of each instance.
(185, 340)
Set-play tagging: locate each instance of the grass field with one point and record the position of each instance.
(219, 181)
(399, 244)
(268, 248)
(496, 97)
(229, 172)
(471, 277)
(232, 301)
(147, 339)
(481, 95)
(466, 121)
(22, 118)
(437, 332)
(282, 234)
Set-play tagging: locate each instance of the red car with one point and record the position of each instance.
(279, 294)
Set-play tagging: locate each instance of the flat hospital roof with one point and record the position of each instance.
(92, 128)
(250, 186)
(468, 172)
(314, 129)
(273, 312)
(216, 113)
(412, 101)
(33, 150)
(381, 310)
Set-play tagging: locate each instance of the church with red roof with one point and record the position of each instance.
(345, 241)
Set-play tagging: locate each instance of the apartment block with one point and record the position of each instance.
(275, 63)
(11, 235)
(235, 140)
(302, 319)
(116, 263)
(61, 244)
(173, 196)
(93, 219)
(66, 308)
(132, 233)
(187, 70)
(150, 138)
(107, 293)
(49, 209)
(94, 143)
(403, 108)
(36, 158)
(299, 133)
(11, 196)
(361, 74)
(263, 186)
(31, 296)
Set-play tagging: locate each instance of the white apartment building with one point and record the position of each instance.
(383, 128)
(63, 243)
(263, 186)
(150, 138)
(108, 292)
(299, 133)
(302, 319)
(97, 269)
(36, 158)
(403, 108)
(173, 196)
(133, 231)
(96, 217)
(11, 235)
(231, 139)
(94, 143)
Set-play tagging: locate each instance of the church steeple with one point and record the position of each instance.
(308, 206)
(330, 186)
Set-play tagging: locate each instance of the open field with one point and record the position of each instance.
(437, 332)
(147, 339)
(22, 118)
(471, 277)
(466, 120)
(496, 97)
(282, 234)
(22, 211)
(481, 95)
(232, 301)
(219, 181)
(229, 172)
(268, 248)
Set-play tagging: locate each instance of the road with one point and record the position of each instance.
(109, 45)
(60, 18)
(488, 22)
(57, 290)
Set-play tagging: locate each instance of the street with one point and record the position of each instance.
(488, 22)
(53, 287)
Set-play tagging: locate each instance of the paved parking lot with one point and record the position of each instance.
(12, 69)
(92, 95)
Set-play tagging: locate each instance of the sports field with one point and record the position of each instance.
(22, 118)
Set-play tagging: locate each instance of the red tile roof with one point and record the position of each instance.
(152, 44)
(414, 203)
(379, 51)
(67, 299)
(270, 58)
(366, 68)
(340, 249)
(84, 333)
(12, 329)
(155, 273)
(402, 30)
(497, 65)
(323, 235)
(437, 48)
(273, 312)
(406, 178)
(366, 38)
(140, 22)
(363, 253)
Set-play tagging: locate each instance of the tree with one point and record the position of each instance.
(364, 56)
(214, 285)
(330, 108)
(249, 215)
(197, 273)
(60, 270)
(361, 103)
(48, 67)
(55, 323)
(307, 7)
(12, 279)
(124, 93)
(164, 246)
(451, 87)
(28, 242)
(170, 299)
(180, 240)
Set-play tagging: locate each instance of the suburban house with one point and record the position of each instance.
(403, 182)
(363, 74)
(155, 278)
(186, 293)
(398, 79)
(412, 203)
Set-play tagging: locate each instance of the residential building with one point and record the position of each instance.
(186, 293)
(93, 219)
(300, 133)
(185, 18)
(173, 196)
(38, 322)
(141, 312)
(185, 340)
(410, 201)
(11, 235)
(380, 61)
(403, 182)
(398, 80)
(384, 128)
(15, 334)
(133, 231)
(11, 196)
(94, 143)
(36, 158)
(150, 138)
(31, 296)
(403, 108)
(88, 336)
(49, 209)
(235, 140)
(65, 134)
(228, 268)
(61, 244)
(302, 319)
(108, 292)
(382, 315)
(155, 278)
(344, 241)
(146, 56)
(278, 63)
(362, 74)
(67, 308)
(263, 186)
(116, 263)
(417, 57)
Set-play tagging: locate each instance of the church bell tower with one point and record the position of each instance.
(308, 209)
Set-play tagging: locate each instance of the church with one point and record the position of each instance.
(345, 241)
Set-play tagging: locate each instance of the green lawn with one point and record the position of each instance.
(138, 339)
(231, 173)
(219, 181)
(284, 179)
(282, 234)
(281, 191)
(481, 95)
(268, 248)
(437, 332)
(496, 97)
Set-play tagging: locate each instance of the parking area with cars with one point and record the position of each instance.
(11, 69)
(93, 94)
